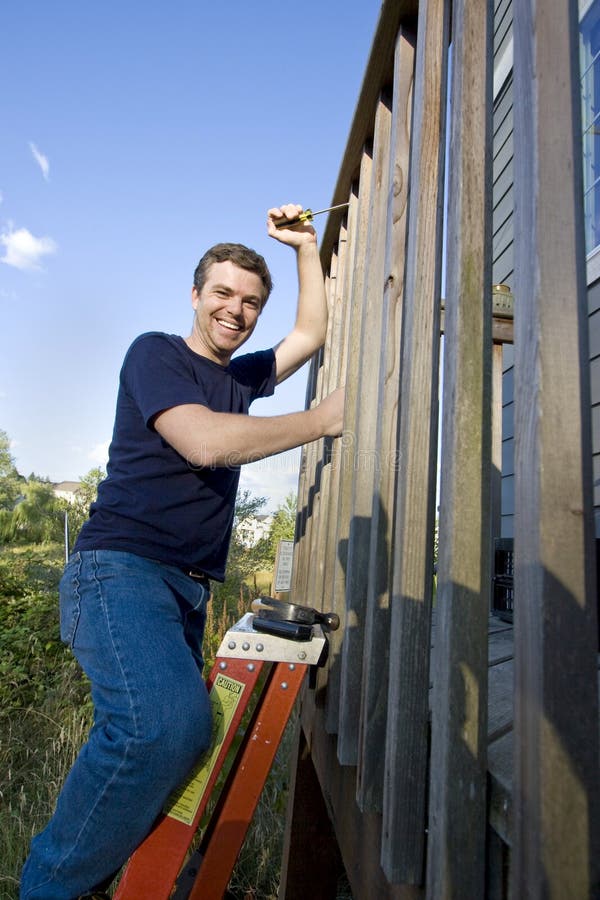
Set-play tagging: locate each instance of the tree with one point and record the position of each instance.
(35, 519)
(243, 562)
(11, 483)
(284, 525)
(79, 510)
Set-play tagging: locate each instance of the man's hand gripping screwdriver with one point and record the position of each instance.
(306, 215)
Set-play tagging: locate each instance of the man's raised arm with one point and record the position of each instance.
(310, 327)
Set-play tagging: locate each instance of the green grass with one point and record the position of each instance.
(36, 753)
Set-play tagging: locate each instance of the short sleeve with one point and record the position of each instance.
(157, 376)
(257, 371)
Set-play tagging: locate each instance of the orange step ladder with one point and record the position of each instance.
(284, 651)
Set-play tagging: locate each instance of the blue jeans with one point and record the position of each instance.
(136, 627)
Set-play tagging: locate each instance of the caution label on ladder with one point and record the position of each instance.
(184, 802)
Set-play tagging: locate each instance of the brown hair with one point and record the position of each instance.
(240, 256)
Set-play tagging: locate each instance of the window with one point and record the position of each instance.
(590, 93)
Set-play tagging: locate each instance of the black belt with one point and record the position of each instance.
(200, 577)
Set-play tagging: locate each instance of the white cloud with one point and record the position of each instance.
(99, 454)
(23, 250)
(40, 159)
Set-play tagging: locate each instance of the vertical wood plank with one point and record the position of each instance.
(373, 708)
(556, 784)
(457, 808)
(308, 490)
(364, 449)
(406, 759)
(344, 300)
(305, 475)
(315, 551)
(339, 552)
(324, 598)
(300, 527)
(316, 595)
(312, 460)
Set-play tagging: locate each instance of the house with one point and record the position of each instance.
(67, 490)
(254, 529)
(469, 769)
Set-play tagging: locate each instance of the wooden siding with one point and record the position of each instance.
(423, 712)
(556, 768)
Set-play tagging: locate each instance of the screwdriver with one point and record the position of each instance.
(307, 215)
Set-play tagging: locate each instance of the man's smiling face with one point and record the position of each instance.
(227, 309)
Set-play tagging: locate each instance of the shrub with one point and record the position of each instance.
(45, 710)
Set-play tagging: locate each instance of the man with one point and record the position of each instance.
(134, 592)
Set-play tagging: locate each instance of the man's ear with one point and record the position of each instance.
(195, 298)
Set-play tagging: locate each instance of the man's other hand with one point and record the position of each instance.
(331, 411)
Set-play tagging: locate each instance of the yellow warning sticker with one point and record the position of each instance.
(184, 802)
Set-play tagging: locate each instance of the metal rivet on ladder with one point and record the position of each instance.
(284, 685)
(231, 645)
(251, 667)
(259, 648)
(292, 666)
(245, 645)
(222, 665)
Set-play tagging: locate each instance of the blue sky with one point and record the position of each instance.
(134, 136)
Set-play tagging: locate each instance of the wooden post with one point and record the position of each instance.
(343, 448)
(406, 759)
(364, 456)
(457, 808)
(343, 307)
(318, 448)
(318, 591)
(373, 707)
(305, 490)
(555, 795)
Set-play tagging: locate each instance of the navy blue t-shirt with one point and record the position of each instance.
(153, 502)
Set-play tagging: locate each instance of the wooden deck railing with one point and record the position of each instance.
(404, 769)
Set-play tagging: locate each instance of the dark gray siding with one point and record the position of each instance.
(502, 26)
(594, 334)
(502, 249)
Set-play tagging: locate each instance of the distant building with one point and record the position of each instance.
(254, 528)
(67, 490)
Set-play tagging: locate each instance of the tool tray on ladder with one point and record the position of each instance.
(288, 640)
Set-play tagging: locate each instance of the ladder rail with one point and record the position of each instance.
(225, 835)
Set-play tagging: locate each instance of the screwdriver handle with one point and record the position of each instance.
(305, 216)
